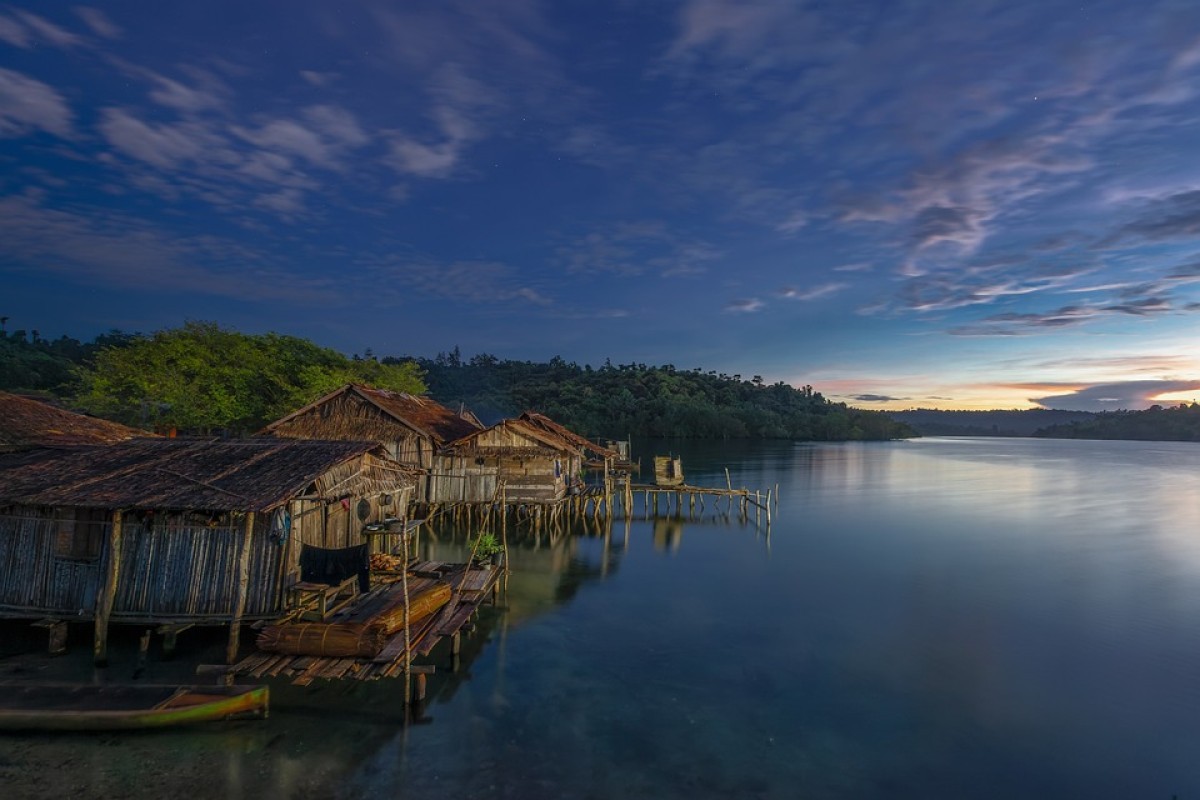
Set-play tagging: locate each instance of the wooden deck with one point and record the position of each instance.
(471, 588)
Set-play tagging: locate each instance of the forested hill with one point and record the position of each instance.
(640, 400)
(1178, 424)
(937, 422)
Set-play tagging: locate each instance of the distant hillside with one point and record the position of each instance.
(616, 400)
(1156, 424)
(934, 422)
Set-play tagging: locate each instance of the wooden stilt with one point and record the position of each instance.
(243, 585)
(107, 591)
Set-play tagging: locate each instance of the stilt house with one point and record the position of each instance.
(179, 531)
(412, 429)
(538, 460)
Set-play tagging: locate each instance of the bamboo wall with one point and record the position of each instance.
(185, 573)
(32, 579)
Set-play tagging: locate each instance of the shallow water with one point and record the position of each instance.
(944, 617)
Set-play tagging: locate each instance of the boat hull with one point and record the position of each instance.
(85, 707)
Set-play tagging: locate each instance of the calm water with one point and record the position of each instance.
(939, 618)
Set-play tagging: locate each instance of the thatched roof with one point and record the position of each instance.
(544, 423)
(537, 427)
(198, 474)
(25, 422)
(421, 414)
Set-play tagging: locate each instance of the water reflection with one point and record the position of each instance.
(940, 618)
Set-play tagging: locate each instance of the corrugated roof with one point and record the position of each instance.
(26, 422)
(419, 413)
(200, 474)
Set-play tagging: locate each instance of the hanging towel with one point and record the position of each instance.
(322, 565)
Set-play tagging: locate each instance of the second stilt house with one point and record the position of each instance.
(538, 460)
(412, 429)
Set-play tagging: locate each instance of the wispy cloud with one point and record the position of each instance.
(638, 248)
(748, 305)
(25, 29)
(117, 251)
(28, 105)
(813, 293)
(98, 22)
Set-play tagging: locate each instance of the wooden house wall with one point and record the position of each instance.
(530, 469)
(459, 479)
(33, 580)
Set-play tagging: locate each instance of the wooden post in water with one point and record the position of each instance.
(408, 687)
(242, 589)
(107, 591)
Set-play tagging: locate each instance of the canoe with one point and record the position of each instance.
(93, 707)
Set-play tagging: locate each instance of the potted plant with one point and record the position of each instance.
(487, 549)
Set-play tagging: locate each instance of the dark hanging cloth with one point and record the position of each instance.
(321, 565)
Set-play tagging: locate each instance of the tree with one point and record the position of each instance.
(202, 377)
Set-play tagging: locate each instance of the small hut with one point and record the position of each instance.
(412, 429)
(538, 459)
(26, 423)
(176, 532)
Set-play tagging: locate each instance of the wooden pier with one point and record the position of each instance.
(471, 587)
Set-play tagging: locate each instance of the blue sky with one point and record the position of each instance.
(902, 203)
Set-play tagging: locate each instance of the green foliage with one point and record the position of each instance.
(487, 546)
(202, 377)
(33, 364)
(643, 400)
(1156, 424)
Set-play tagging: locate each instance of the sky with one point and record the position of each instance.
(903, 203)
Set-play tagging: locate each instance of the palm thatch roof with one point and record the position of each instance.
(421, 414)
(26, 422)
(544, 423)
(537, 427)
(199, 474)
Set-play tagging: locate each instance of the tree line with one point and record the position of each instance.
(649, 401)
(1158, 423)
(204, 378)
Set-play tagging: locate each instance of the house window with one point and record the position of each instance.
(80, 533)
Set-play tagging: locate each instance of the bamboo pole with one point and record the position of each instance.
(407, 637)
(243, 589)
(107, 591)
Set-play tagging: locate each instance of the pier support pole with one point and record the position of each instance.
(107, 591)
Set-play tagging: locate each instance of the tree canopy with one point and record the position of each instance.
(649, 400)
(1178, 424)
(203, 377)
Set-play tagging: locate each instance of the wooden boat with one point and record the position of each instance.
(91, 707)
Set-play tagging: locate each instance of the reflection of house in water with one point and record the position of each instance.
(668, 533)
(545, 570)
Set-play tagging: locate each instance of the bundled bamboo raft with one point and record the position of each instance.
(363, 639)
(431, 585)
(340, 640)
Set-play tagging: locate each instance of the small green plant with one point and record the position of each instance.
(486, 546)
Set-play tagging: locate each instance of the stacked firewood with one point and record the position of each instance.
(382, 562)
